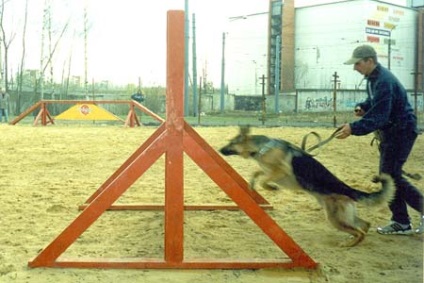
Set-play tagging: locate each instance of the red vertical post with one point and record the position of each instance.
(174, 171)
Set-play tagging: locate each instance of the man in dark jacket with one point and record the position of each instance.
(388, 111)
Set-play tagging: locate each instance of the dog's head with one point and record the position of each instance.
(243, 144)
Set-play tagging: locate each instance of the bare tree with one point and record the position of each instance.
(46, 28)
(21, 67)
(85, 51)
(46, 8)
(6, 41)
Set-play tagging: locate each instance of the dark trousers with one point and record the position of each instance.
(394, 151)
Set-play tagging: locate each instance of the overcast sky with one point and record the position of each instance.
(126, 39)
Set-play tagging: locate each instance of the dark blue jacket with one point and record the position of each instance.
(387, 107)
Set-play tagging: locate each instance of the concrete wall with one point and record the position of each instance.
(303, 100)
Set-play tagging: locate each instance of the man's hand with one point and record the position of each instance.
(344, 132)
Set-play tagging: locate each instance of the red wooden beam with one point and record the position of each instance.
(25, 113)
(132, 119)
(187, 207)
(174, 158)
(43, 115)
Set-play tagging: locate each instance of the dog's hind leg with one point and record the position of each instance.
(341, 213)
(362, 224)
(357, 234)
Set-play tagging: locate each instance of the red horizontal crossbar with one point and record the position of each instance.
(187, 207)
(143, 263)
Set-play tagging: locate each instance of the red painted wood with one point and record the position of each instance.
(187, 207)
(147, 111)
(43, 115)
(132, 119)
(143, 263)
(174, 138)
(25, 113)
(174, 158)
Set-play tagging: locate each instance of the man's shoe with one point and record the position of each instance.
(395, 228)
(420, 228)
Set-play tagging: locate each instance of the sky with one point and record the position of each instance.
(127, 38)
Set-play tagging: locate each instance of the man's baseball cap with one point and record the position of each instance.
(361, 52)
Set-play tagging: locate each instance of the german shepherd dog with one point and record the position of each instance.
(286, 165)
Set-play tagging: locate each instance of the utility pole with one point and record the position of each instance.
(186, 53)
(263, 104)
(223, 73)
(277, 75)
(86, 51)
(195, 103)
(199, 107)
(335, 81)
(389, 46)
(416, 74)
(46, 10)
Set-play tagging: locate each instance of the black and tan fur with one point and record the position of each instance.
(286, 165)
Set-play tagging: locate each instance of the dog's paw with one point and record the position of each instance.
(353, 240)
(270, 187)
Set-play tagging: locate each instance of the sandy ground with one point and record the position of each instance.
(47, 172)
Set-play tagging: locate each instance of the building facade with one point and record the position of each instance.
(316, 40)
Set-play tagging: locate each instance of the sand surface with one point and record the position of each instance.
(47, 172)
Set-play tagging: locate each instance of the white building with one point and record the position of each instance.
(327, 34)
(246, 54)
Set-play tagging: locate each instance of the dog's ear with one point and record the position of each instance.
(244, 130)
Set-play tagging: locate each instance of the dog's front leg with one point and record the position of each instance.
(271, 180)
(255, 176)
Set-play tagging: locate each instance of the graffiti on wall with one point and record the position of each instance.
(321, 103)
(325, 103)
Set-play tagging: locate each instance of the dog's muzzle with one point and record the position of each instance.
(226, 151)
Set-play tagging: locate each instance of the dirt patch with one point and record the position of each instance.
(47, 172)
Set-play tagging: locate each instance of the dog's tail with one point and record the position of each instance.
(383, 196)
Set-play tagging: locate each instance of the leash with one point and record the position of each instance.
(320, 141)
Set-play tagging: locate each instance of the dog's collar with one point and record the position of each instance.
(268, 146)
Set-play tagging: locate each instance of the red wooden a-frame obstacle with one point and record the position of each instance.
(173, 138)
